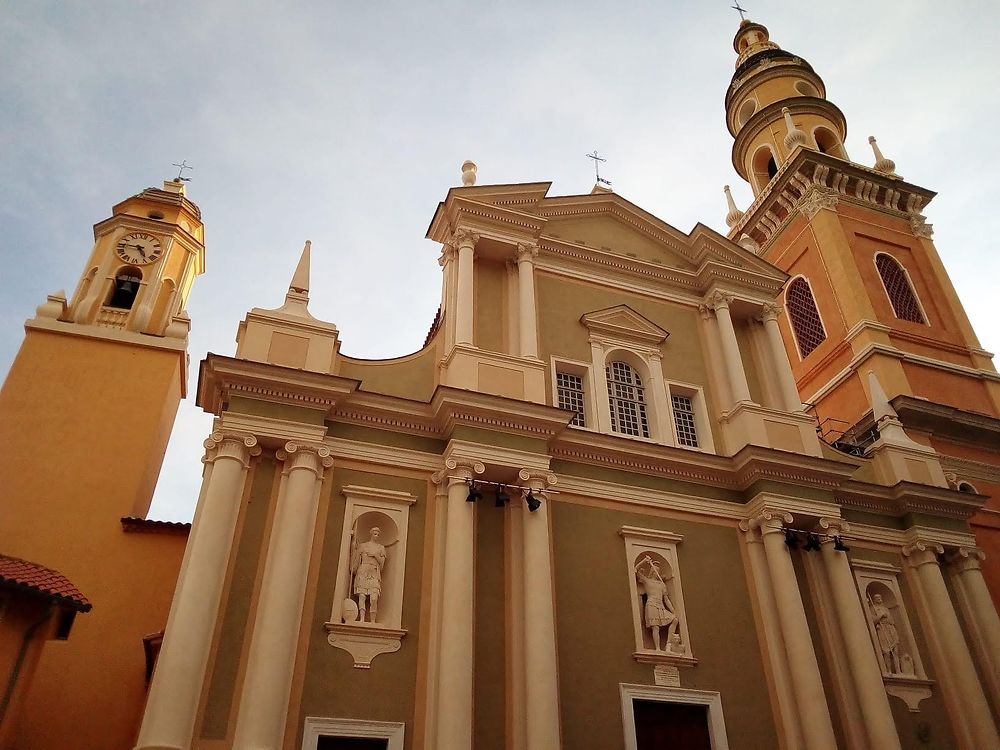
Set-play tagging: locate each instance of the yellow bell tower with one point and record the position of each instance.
(85, 415)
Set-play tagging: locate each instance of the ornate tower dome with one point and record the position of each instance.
(775, 104)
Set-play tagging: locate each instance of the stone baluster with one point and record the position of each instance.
(169, 718)
(271, 662)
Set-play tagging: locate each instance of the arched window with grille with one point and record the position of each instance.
(898, 289)
(627, 400)
(804, 316)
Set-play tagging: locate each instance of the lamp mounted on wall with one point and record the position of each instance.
(533, 502)
(813, 540)
(474, 492)
(502, 498)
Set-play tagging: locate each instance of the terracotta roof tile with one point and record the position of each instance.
(29, 576)
(131, 524)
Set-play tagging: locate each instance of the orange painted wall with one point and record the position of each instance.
(19, 613)
(85, 423)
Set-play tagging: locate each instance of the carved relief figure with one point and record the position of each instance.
(367, 561)
(659, 612)
(888, 636)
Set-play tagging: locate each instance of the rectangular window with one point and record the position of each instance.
(352, 743)
(570, 392)
(659, 724)
(684, 422)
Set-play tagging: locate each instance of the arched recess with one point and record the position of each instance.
(803, 315)
(164, 305)
(746, 111)
(629, 398)
(899, 290)
(125, 288)
(828, 142)
(805, 88)
(763, 166)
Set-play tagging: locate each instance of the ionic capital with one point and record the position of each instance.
(922, 553)
(768, 521)
(462, 238)
(720, 300)
(526, 252)
(832, 527)
(538, 481)
(769, 311)
(458, 471)
(232, 445)
(311, 457)
(966, 558)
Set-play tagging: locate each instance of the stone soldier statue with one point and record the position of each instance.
(888, 636)
(367, 562)
(659, 612)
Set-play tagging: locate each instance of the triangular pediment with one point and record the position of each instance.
(622, 322)
(611, 233)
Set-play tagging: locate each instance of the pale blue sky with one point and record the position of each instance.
(346, 125)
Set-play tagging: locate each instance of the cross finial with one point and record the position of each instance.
(180, 171)
(597, 168)
(739, 10)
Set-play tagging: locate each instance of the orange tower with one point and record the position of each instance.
(868, 291)
(85, 415)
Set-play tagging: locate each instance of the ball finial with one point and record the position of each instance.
(469, 173)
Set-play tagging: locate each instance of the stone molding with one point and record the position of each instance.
(816, 199)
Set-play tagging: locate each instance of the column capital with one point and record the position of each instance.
(833, 526)
(310, 456)
(719, 300)
(705, 311)
(526, 252)
(769, 311)
(966, 558)
(458, 470)
(461, 238)
(448, 253)
(230, 445)
(767, 521)
(538, 481)
(922, 553)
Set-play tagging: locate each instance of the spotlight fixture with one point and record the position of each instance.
(502, 497)
(812, 542)
(838, 544)
(474, 493)
(791, 539)
(533, 502)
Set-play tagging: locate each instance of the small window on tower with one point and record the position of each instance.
(898, 289)
(126, 288)
(804, 316)
(772, 168)
(570, 391)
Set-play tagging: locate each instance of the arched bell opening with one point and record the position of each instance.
(126, 288)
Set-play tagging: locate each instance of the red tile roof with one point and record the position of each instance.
(131, 524)
(29, 576)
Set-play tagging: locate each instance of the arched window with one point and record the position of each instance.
(967, 488)
(628, 403)
(804, 316)
(763, 167)
(828, 143)
(126, 288)
(898, 289)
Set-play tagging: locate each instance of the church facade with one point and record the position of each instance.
(640, 488)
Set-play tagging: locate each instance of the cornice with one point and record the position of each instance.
(905, 498)
(753, 464)
(460, 210)
(949, 422)
(808, 171)
(220, 378)
(453, 407)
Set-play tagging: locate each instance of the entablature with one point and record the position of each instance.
(908, 498)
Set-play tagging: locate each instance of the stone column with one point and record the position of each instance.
(969, 707)
(541, 669)
(455, 657)
(271, 662)
(966, 566)
(711, 329)
(814, 714)
(730, 348)
(790, 399)
(663, 429)
(864, 667)
(465, 241)
(603, 416)
(527, 318)
(168, 721)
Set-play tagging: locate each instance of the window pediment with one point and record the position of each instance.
(624, 324)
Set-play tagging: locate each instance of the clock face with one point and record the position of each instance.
(139, 248)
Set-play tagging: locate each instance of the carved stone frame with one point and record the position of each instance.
(317, 727)
(662, 544)
(710, 699)
(910, 688)
(366, 640)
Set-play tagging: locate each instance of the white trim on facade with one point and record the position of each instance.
(712, 700)
(317, 727)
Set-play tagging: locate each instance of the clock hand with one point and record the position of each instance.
(139, 249)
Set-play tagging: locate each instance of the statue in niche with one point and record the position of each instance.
(888, 636)
(659, 612)
(367, 561)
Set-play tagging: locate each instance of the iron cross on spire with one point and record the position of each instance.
(739, 10)
(597, 168)
(180, 171)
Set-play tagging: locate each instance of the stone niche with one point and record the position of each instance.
(366, 614)
(889, 626)
(657, 598)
